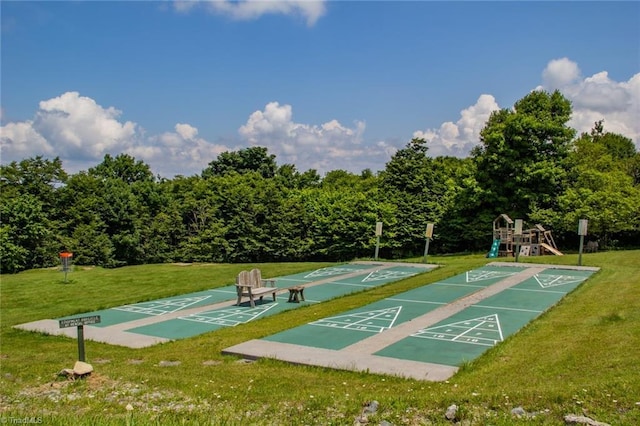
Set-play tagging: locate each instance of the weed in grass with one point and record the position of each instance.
(611, 318)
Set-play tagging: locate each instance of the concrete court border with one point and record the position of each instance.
(359, 356)
(117, 335)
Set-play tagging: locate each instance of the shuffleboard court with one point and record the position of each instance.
(170, 305)
(350, 327)
(159, 307)
(322, 274)
(466, 335)
(229, 316)
(429, 332)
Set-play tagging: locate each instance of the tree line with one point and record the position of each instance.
(244, 207)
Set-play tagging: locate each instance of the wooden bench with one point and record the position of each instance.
(250, 284)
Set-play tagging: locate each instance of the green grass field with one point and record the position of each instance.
(582, 357)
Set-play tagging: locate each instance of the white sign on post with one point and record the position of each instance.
(582, 227)
(518, 227)
(378, 229)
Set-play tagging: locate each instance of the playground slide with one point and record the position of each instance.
(551, 249)
(493, 253)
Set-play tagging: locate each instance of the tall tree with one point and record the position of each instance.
(422, 191)
(253, 159)
(123, 167)
(520, 162)
(600, 187)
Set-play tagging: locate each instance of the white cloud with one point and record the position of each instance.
(325, 147)
(593, 98)
(69, 125)
(457, 139)
(180, 152)
(19, 140)
(597, 97)
(560, 73)
(80, 132)
(186, 131)
(309, 10)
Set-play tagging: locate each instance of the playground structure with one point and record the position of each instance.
(536, 241)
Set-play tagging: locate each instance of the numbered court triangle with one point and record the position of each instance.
(385, 275)
(484, 331)
(547, 281)
(162, 307)
(480, 275)
(228, 317)
(370, 321)
(328, 272)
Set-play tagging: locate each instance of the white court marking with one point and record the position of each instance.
(161, 307)
(547, 281)
(374, 321)
(484, 331)
(328, 272)
(386, 275)
(480, 275)
(229, 317)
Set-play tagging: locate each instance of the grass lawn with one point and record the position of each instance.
(582, 357)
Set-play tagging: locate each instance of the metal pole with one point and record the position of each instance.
(81, 343)
(426, 250)
(580, 252)
(377, 247)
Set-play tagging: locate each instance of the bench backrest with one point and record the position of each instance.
(251, 278)
(256, 277)
(244, 278)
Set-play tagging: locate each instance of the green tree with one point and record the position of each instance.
(37, 176)
(422, 191)
(123, 167)
(27, 233)
(253, 159)
(600, 187)
(520, 162)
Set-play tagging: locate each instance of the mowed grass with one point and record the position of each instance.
(581, 357)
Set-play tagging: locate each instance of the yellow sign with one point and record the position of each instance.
(429, 233)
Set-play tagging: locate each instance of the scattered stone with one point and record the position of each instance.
(575, 419)
(361, 420)
(82, 368)
(370, 407)
(79, 370)
(451, 413)
(519, 411)
(169, 363)
(245, 361)
(211, 362)
(385, 423)
(102, 361)
(66, 372)
(135, 361)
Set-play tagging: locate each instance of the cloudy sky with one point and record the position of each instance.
(323, 85)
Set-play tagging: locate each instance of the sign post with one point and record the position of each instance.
(517, 236)
(79, 322)
(428, 235)
(378, 234)
(582, 231)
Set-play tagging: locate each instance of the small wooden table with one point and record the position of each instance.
(296, 294)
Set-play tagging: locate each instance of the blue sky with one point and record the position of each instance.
(323, 85)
